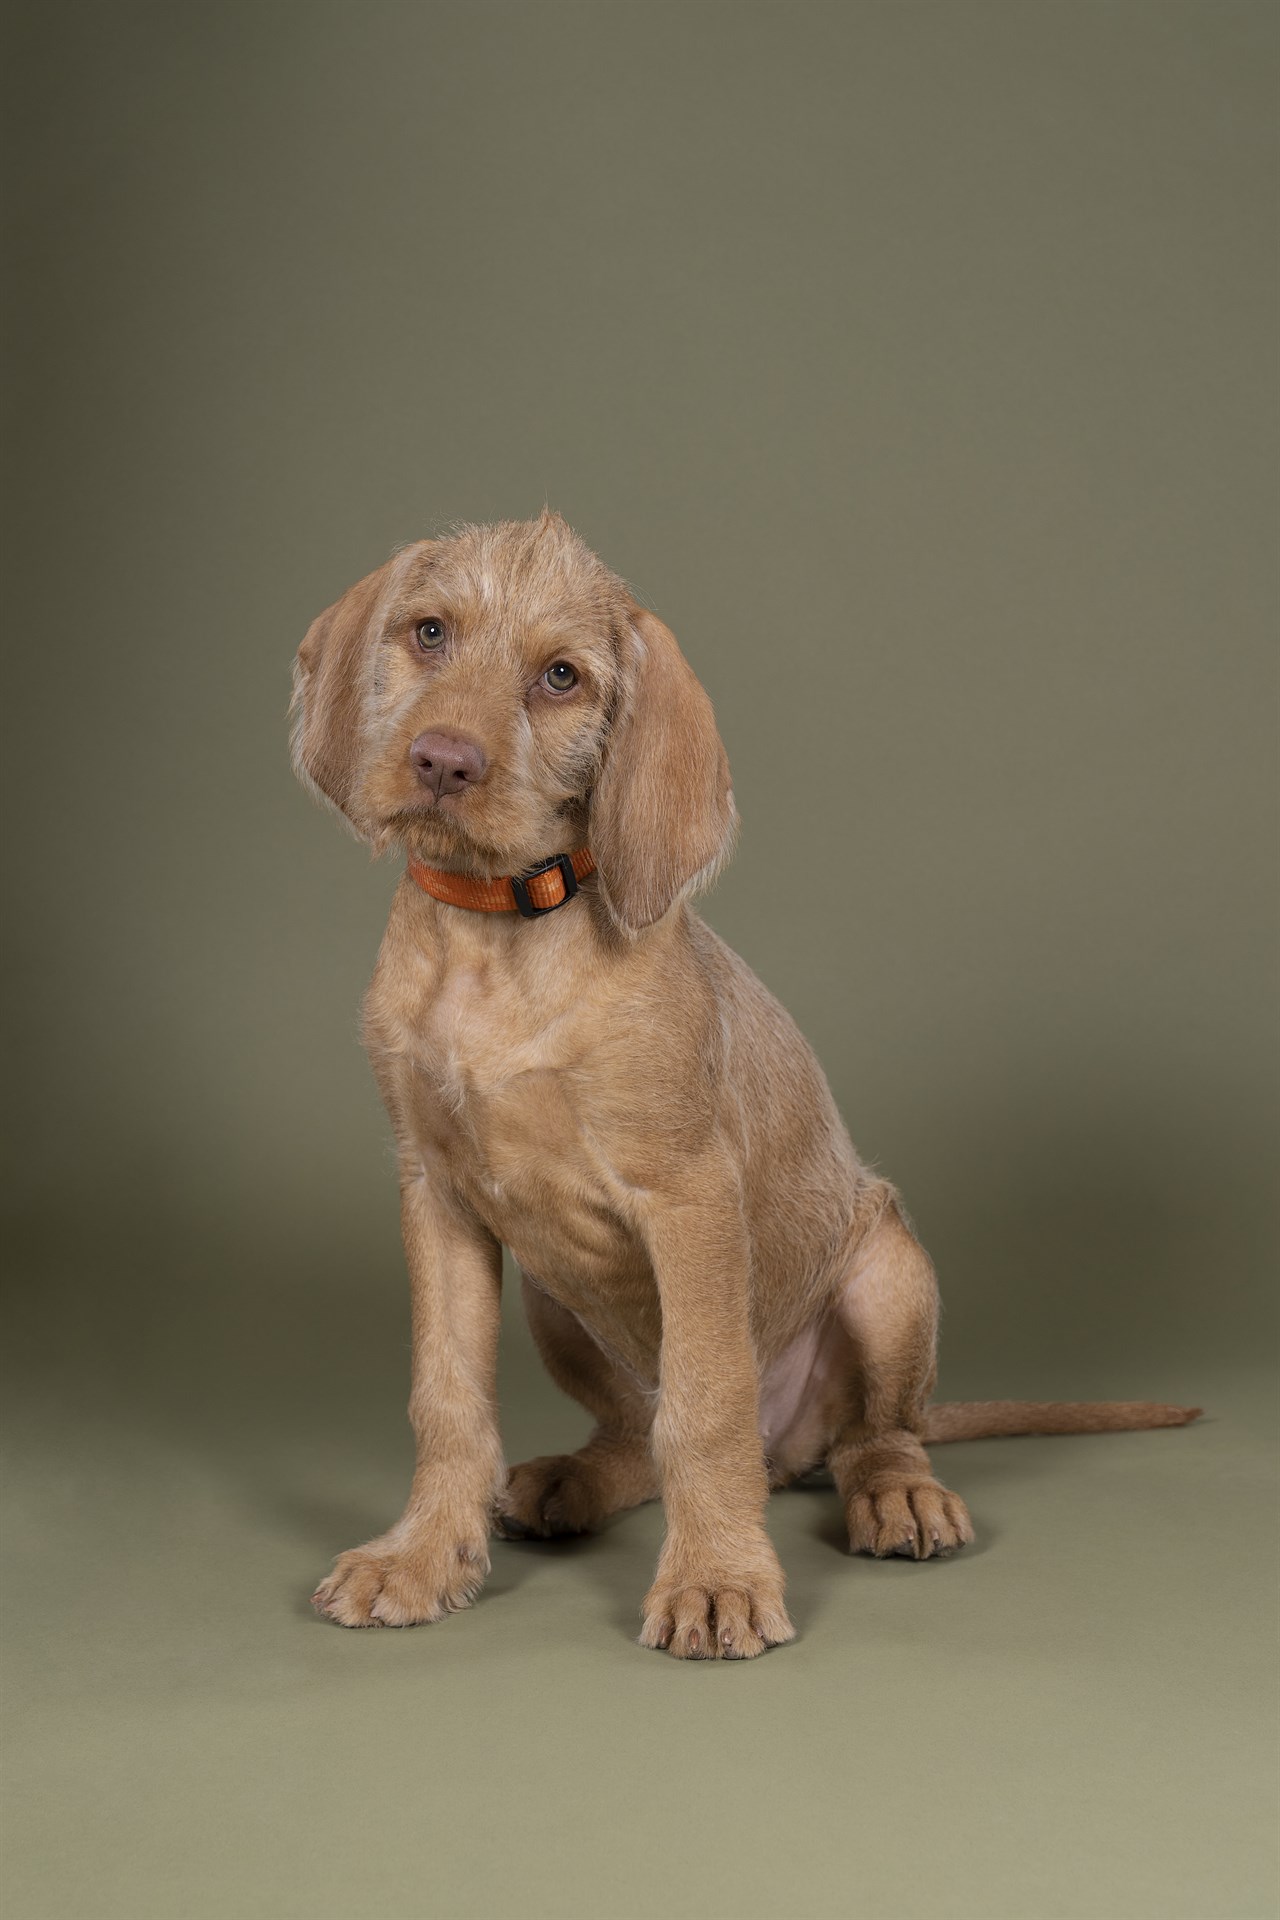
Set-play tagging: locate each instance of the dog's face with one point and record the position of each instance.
(491, 699)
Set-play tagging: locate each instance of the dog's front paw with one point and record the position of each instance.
(392, 1583)
(915, 1518)
(722, 1614)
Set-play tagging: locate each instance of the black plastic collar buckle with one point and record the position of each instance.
(521, 891)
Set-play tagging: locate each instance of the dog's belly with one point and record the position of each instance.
(804, 1393)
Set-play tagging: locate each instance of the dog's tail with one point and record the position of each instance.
(1003, 1419)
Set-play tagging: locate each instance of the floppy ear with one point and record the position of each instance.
(662, 814)
(328, 695)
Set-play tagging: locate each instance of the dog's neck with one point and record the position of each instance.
(536, 891)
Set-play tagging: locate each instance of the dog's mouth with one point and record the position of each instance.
(483, 824)
(427, 802)
(444, 813)
(430, 826)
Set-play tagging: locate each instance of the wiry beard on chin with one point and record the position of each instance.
(432, 835)
(442, 839)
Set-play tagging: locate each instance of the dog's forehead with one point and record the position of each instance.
(518, 577)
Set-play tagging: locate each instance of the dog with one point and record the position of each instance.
(578, 1069)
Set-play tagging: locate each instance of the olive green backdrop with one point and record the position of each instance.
(915, 361)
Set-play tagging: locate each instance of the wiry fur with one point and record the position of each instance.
(612, 1094)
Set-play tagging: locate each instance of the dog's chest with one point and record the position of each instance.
(476, 1040)
(493, 1076)
(482, 1074)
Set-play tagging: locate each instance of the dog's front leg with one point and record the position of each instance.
(718, 1590)
(434, 1560)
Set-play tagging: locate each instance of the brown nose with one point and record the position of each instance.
(447, 762)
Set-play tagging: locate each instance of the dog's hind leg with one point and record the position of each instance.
(568, 1493)
(888, 1305)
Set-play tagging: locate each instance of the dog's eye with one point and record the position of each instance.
(560, 677)
(430, 634)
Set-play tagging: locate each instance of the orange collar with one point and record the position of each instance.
(538, 890)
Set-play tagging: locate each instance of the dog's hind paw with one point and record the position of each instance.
(918, 1520)
(550, 1497)
(567, 1493)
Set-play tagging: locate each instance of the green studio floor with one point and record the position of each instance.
(1069, 1720)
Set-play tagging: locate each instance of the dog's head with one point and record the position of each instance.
(496, 697)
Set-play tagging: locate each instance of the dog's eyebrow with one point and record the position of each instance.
(578, 636)
(423, 597)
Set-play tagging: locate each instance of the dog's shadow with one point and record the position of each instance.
(806, 1522)
(277, 1369)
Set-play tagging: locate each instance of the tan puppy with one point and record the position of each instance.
(607, 1090)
